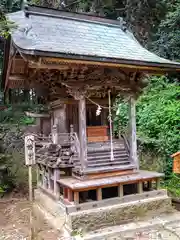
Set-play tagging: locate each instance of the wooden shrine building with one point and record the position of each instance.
(79, 63)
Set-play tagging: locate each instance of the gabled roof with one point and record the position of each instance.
(62, 34)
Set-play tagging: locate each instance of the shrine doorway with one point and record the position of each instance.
(97, 126)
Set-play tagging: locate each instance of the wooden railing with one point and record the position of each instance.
(75, 144)
(126, 142)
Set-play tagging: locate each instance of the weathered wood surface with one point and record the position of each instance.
(117, 200)
(132, 131)
(82, 132)
(78, 184)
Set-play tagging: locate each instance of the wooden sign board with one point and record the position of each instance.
(29, 150)
(176, 162)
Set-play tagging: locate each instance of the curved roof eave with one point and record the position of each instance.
(84, 59)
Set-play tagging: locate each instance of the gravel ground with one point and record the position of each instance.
(15, 223)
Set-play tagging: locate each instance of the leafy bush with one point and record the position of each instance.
(157, 119)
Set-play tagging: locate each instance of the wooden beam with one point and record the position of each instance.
(49, 66)
(132, 132)
(151, 69)
(82, 132)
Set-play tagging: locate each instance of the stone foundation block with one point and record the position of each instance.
(94, 219)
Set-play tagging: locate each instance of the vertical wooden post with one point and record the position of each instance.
(99, 194)
(158, 183)
(49, 178)
(76, 197)
(120, 191)
(30, 183)
(140, 187)
(43, 177)
(82, 132)
(133, 138)
(71, 133)
(56, 186)
(37, 175)
(70, 197)
(149, 185)
(55, 134)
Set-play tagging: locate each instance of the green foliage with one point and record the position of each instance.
(158, 114)
(166, 43)
(173, 185)
(157, 119)
(5, 7)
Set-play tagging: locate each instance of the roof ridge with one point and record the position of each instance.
(58, 13)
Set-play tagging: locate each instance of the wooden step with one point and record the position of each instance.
(100, 153)
(105, 149)
(103, 160)
(110, 164)
(108, 156)
(90, 170)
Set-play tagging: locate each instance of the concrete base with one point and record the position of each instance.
(91, 220)
(48, 209)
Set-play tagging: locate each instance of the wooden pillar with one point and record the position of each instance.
(55, 134)
(65, 192)
(82, 132)
(70, 196)
(37, 175)
(99, 194)
(120, 191)
(150, 185)
(158, 183)
(56, 185)
(49, 178)
(76, 197)
(44, 177)
(132, 132)
(140, 187)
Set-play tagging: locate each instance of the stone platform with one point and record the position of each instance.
(129, 209)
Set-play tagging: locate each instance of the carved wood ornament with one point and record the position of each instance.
(92, 80)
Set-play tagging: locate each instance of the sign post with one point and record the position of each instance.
(30, 160)
(29, 143)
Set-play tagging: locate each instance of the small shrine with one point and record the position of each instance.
(79, 63)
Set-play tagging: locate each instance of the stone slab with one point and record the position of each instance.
(76, 184)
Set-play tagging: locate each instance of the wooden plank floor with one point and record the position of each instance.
(77, 184)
